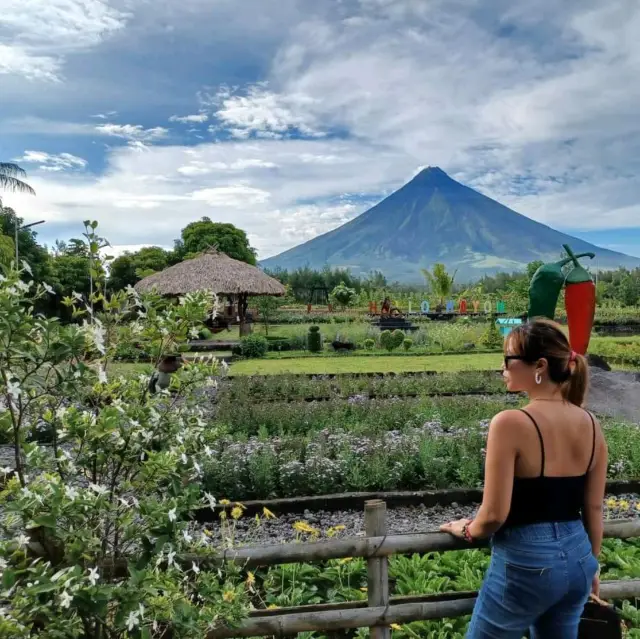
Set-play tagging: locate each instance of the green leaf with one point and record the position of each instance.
(8, 578)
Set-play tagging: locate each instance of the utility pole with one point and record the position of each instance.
(17, 228)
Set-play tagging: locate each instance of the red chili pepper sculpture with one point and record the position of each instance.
(580, 304)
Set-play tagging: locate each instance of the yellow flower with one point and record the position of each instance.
(236, 512)
(623, 504)
(251, 578)
(364, 589)
(345, 560)
(395, 626)
(638, 506)
(268, 514)
(224, 502)
(339, 527)
(229, 595)
(272, 607)
(611, 503)
(304, 527)
(223, 514)
(208, 533)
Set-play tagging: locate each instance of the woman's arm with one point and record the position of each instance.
(594, 493)
(498, 475)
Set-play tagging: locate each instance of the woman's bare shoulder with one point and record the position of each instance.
(507, 419)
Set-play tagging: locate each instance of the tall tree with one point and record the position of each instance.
(10, 178)
(129, 268)
(30, 251)
(199, 236)
(440, 282)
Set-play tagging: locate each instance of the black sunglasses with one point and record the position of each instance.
(508, 358)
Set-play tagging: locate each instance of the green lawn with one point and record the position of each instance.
(355, 364)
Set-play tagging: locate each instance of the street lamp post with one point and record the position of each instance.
(20, 228)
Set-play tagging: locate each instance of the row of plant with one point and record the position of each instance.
(357, 414)
(621, 350)
(430, 455)
(437, 337)
(339, 580)
(294, 387)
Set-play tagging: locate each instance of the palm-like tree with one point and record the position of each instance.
(10, 175)
(440, 282)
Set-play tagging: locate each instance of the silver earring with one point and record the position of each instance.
(538, 378)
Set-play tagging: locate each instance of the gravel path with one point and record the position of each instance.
(406, 519)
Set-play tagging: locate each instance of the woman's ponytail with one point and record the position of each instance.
(575, 389)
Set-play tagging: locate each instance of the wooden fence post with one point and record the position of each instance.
(375, 525)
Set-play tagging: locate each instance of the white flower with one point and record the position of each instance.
(172, 514)
(14, 390)
(171, 555)
(194, 333)
(47, 288)
(133, 620)
(187, 537)
(184, 459)
(3, 564)
(102, 375)
(141, 610)
(22, 540)
(23, 286)
(211, 499)
(5, 470)
(93, 576)
(98, 489)
(207, 451)
(225, 366)
(27, 268)
(197, 468)
(71, 492)
(61, 412)
(195, 567)
(76, 296)
(65, 599)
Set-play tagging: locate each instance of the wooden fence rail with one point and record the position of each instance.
(381, 610)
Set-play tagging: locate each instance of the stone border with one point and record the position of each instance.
(355, 500)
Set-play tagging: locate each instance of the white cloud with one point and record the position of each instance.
(264, 113)
(105, 116)
(17, 60)
(52, 162)
(132, 132)
(43, 34)
(202, 168)
(233, 196)
(186, 119)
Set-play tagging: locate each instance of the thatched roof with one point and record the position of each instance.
(212, 271)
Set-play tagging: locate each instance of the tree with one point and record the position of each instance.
(343, 295)
(7, 250)
(30, 251)
(10, 175)
(199, 236)
(440, 282)
(129, 268)
(267, 305)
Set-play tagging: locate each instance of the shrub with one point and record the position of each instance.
(397, 337)
(121, 480)
(386, 340)
(314, 339)
(369, 344)
(254, 346)
(205, 333)
(407, 343)
(492, 337)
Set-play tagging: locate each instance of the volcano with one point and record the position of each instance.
(433, 219)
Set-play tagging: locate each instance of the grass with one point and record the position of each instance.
(356, 364)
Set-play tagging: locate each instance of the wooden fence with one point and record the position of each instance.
(380, 610)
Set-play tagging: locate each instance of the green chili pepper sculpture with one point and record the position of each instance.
(545, 288)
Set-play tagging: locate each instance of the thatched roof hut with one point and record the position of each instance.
(212, 271)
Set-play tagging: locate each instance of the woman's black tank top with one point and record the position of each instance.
(548, 499)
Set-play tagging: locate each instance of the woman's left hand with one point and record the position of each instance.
(455, 528)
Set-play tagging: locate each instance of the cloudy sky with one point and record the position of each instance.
(290, 117)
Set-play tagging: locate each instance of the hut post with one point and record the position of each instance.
(243, 303)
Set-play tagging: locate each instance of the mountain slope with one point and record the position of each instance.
(431, 219)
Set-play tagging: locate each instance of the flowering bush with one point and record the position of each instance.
(93, 527)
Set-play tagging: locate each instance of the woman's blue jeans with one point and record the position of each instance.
(539, 579)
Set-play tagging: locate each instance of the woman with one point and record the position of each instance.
(544, 485)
